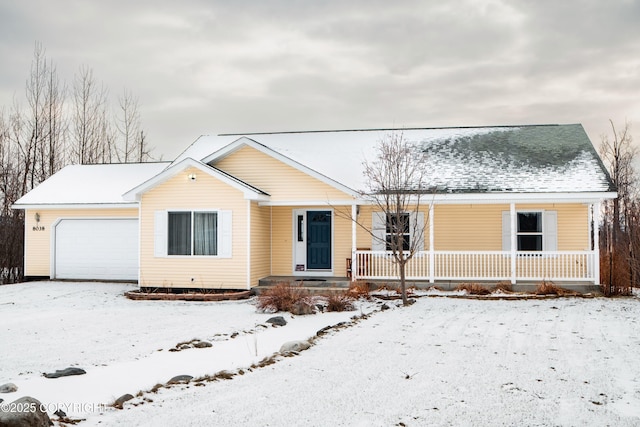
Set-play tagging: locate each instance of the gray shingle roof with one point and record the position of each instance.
(542, 158)
(514, 159)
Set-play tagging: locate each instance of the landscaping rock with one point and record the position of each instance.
(65, 373)
(202, 344)
(60, 413)
(180, 379)
(8, 388)
(295, 346)
(301, 308)
(277, 321)
(120, 401)
(32, 416)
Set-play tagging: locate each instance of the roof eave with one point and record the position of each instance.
(504, 197)
(106, 205)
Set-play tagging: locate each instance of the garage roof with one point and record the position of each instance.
(90, 185)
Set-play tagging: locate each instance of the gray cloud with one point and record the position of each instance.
(206, 67)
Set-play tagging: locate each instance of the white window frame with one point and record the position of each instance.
(379, 230)
(161, 233)
(192, 232)
(531, 233)
(390, 232)
(549, 229)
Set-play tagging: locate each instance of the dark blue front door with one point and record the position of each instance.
(318, 240)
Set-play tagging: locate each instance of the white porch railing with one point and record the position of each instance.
(478, 265)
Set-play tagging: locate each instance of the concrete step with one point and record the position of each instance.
(312, 290)
(313, 285)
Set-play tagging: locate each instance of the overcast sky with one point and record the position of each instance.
(207, 67)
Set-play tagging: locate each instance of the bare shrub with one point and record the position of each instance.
(547, 287)
(340, 302)
(504, 287)
(473, 288)
(360, 289)
(283, 297)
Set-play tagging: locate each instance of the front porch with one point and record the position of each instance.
(444, 266)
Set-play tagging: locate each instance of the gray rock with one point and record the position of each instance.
(180, 379)
(8, 388)
(277, 321)
(295, 346)
(32, 416)
(60, 413)
(65, 373)
(301, 308)
(202, 344)
(120, 401)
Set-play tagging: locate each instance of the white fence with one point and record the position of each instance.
(479, 265)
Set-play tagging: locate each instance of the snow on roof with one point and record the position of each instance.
(531, 158)
(90, 184)
(501, 159)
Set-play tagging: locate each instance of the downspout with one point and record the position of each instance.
(248, 245)
(514, 241)
(596, 243)
(432, 255)
(354, 258)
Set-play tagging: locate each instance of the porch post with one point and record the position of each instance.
(514, 241)
(432, 255)
(596, 243)
(354, 258)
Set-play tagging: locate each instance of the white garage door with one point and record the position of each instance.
(99, 249)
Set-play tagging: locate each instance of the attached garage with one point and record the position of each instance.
(95, 249)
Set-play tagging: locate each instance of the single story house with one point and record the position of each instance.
(516, 203)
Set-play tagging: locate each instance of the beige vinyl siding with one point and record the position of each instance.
(341, 244)
(281, 181)
(38, 242)
(281, 244)
(474, 227)
(468, 227)
(260, 242)
(181, 193)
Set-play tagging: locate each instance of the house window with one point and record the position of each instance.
(398, 225)
(192, 233)
(529, 234)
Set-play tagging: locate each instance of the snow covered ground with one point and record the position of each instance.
(441, 361)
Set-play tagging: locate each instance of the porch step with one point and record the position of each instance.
(311, 284)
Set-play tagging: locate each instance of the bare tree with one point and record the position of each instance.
(89, 118)
(619, 256)
(128, 125)
(11, 221)
(38, 130)
(54, 156)
(143, 151)
(397, 186)
(35, 121)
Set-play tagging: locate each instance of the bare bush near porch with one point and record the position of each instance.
(283, 297)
